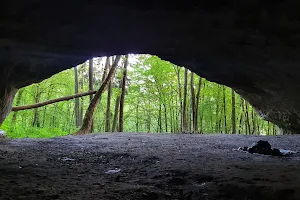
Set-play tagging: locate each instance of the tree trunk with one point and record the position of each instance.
(193, 103)
(217, 129)
(117, 104)
(41, 104)
(81, 84)
(224, 109)
(105, 69)
(197, 105)
(177, 70)
(184, 118)
(247, 118)
(241, 116)
(87, 122)
(36, 117)
(108, 114)
(121, 117)
(159, 119)
(91, 77)
(91, 84)
(233, 117)
(77, 120)
(253, 122)
(137, 116)
(166, 119)
(18, 101)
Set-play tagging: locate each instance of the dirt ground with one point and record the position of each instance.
(147, 166)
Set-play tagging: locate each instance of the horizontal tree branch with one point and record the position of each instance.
(41, 104)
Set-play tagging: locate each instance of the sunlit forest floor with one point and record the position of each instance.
(147, 166)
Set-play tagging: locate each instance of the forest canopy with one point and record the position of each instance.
(158, 97)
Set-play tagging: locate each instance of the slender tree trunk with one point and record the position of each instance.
(193, 103)
(184, 119)
(247, 118)
(233, 117)
(81, 85)
(91, 77)
(108, 114)
(137, 116)
(241, 116)
(117, 105)
(121, 117)
(197, 106)
(159, 118)
(253, 122)
(149, 117)
(177, 70)
(18, 101)
(217, 110)
(172, 114)
(105, 69)
(87, 122)
(91, 84)
(45, 108)
(177, 116)
(224, 109)
(36, 117)
(166, 119)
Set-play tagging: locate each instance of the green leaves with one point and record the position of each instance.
(152, 102)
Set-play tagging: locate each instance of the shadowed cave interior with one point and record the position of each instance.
(250, 46)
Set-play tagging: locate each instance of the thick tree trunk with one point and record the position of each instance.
(87, 122)
(76, 108)
(184, 117)
(233, 115)
(121, 117)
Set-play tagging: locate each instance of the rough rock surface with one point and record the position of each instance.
(251, 46)
(147, 167)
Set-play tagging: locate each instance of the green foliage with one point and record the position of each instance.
(152, 103)
(34, 132)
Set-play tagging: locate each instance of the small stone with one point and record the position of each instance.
(3, 134)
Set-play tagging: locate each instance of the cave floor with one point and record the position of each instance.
(147, 166)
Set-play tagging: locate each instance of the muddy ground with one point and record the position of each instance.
(147, 166)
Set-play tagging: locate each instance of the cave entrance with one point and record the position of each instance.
(159, 97)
